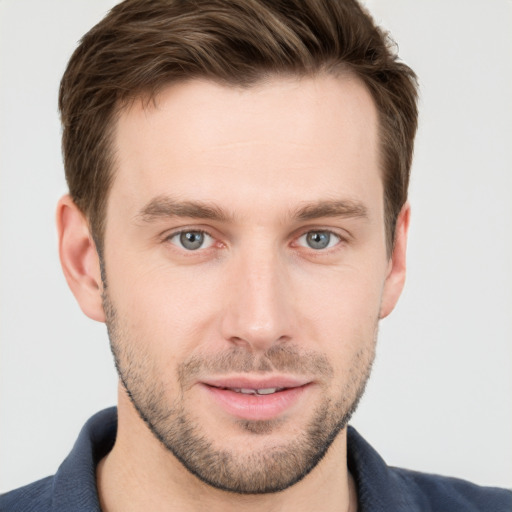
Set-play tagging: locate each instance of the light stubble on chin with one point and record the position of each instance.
(256, 472)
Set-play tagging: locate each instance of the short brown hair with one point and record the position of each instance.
(143, 45)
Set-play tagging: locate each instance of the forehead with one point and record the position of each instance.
(285, 139)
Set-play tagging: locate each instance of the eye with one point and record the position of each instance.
(191, 240)
(319, 240)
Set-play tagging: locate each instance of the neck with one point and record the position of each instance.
(141, 474)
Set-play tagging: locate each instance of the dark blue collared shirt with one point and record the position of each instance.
(380, 488)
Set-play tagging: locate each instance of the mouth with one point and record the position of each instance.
(256, 400)
(258, 391)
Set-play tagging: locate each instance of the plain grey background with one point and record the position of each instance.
(440, 396)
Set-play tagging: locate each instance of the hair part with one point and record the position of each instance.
(142, 46)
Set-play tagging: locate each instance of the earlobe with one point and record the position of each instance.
(79, 258)
(395, 278)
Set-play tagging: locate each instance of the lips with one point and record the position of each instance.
(256, 382)
(250, 391)
(255, 399)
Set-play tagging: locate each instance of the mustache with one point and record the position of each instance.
(282, 358)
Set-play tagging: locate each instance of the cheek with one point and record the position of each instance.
(343, 301)
(162, 308)
(340, 316)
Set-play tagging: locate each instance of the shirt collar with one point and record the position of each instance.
(74, 486)
(379, 488)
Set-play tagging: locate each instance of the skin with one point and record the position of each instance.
(259, 155)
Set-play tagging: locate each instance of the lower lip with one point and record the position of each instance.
(256, 407)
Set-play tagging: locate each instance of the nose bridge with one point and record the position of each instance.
(258, 314)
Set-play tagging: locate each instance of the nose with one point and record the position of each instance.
(259, 312)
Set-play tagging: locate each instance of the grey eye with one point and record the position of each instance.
(192, 240)
(319, 240)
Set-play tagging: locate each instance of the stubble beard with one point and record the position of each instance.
(255, 472)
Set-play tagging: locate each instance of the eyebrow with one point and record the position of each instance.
(347, 208)
(162, 207)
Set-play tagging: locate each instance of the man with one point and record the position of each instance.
(237, 216)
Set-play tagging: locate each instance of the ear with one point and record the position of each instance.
(395, 278)
(79, 258)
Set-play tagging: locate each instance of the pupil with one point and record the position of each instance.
(191, 240)
(318, 239)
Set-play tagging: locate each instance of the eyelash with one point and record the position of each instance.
(177, 234)
(316, 252)
(330, 233)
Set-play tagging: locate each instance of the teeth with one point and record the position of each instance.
(264, 391)
(267, 391)
(248, 391)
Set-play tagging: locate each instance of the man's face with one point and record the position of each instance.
(245, 264)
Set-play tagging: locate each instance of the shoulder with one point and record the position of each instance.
(440, 493)
(73, 487)
(36, 496)
(382, 487)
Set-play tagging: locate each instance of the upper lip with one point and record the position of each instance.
(256, 382)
